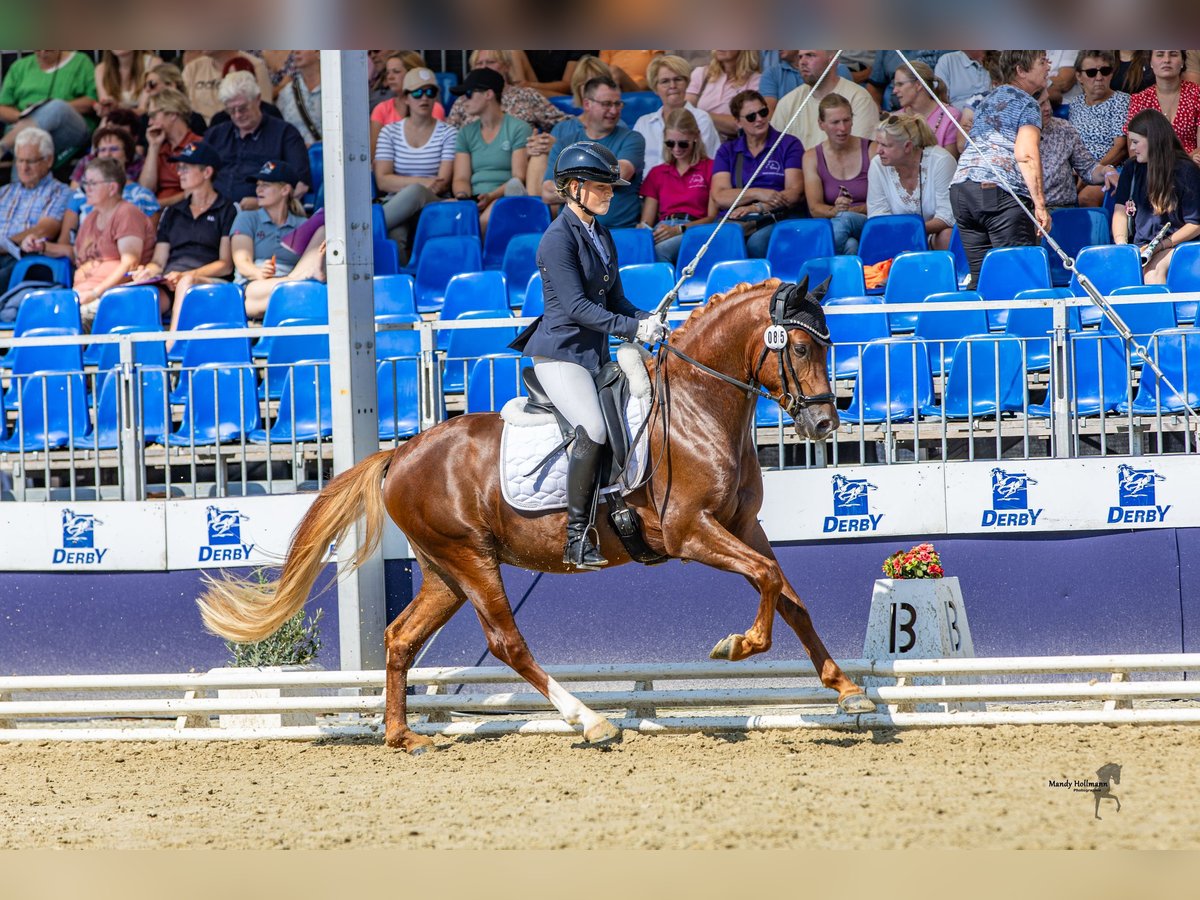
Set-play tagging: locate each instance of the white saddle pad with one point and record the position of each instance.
(528, 437)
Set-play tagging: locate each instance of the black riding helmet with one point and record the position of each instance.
(587, 161)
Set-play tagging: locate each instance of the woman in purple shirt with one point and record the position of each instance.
(835, 173)
(777, 192)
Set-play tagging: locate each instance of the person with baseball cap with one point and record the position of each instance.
(489, 159)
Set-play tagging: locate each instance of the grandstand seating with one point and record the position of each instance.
(1073, 229)
(52, 412)
(520, 262)
(208, 304)
(794, 242)
(154, 416)
(535, 299)
(453, 218)
(394, 296)
(645, 284)
(1006, 272)
(315, 198)
(986, 378)
(943, 329)
(288, 349)
(1143, 319)
(386, 255)
(219, 393)
(1099, 378)
(509, 217)
(1177, 352)
(494, 380)
(634, 245)
(1034, 324)
(445, 258)
(913, 277)
(845, 274)
(45, 313)
(566, 104)
(638, 104)
(59, 268)
(1109, 267)
(852, 332)
(886, 237)
(472, 292)
(446, 80)
(962, 266)
(293, 300)
(728, 244)
(727, 274)
(123, 310)
(396, 398)
(1184, 276)
(468, 344)
(893, 384)
(305, 406)
(769, 414)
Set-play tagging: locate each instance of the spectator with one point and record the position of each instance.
(669, 78)
(1005, 145)
(1133, 72)
(168, 77)
(835, 173)
(414, 158)
(713, 87)
(52, 90)
(812, 63)
(780, 79)
(167, 135)
(1175, 98)
(120, 79)
(1159, 185)
(193, 245)
(778, 191)
(524, 103)
(300, 98)
(600, 121)
(1064, 157)
(250, 139)
(1100, 114)
(113, 241)
(678, 193)
(548, 72)
(261, 257)
(910, 175)
(489, 153)
(34, 203)
(1063, 85)
(883, 70)
(126, 121)
(586, 68)
(203, 77)
(398, 65)
(109, 143)
(914, 100)
(965, 77)
(629, 67)
(281, 65)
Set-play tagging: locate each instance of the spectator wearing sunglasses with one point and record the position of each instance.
(677, 194)
(1175, 98)
(1100, 114)
(669, 78)
(398, 64)
(778, 190)
(489, 153)
(167, 77)
(812, 65)
(414, 158)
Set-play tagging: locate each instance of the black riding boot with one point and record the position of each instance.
(582, 483)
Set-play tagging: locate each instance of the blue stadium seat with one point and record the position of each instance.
(293, 300)
(397, 399)
(645, 284)
(125, 309)
(469, 344)
(394, 296)
(494, 380)
(316, 189)
(52, 412)
(471, 292)
(794, 242)
(1073, 229)
(851, 333)
(446, 257)
(1184, 277)
(728, 244)
(208, 304)
(59, 267)
(305, 408)
(1006, 272)
(986, 377)
(769, 414)
(894, 383)
(725, 275)
(845, 274)
(941, 330)
(1143, 319)
(446, 80)
(566, 104)
(1177, 352)
(386, 256)
(397, 343)
(962, 266)
(452, 218)
(221, 403)
(535, 298)
(638, 104)
(1109, 267)
(634, 245)
(288, 349)
(1099, 379)
(520, 262)
(45, 312)
(511, 216)
(1034, 324)
(886, 237)
(155, 413)
(913, 277)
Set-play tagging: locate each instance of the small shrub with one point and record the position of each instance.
(922, 561)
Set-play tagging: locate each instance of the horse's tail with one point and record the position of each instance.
(247, 611)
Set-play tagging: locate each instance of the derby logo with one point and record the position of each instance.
(225, 537)
(78, 540)
(1136, 502)
(1010, 501)
(851, 506)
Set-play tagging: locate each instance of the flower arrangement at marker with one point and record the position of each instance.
(922, 561)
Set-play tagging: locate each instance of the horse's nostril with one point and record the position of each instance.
(824, 426)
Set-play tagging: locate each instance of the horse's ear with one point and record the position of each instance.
(802, 287)
(817, 294)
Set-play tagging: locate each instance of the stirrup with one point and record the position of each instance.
(581, 553)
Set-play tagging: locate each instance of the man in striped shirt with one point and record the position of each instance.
(33, 204)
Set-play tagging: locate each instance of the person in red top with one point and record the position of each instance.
(167, 135)
(1175, 98)
(676, 194)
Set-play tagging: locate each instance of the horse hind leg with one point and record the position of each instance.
(433, 606)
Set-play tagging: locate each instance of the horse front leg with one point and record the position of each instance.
(851, 698)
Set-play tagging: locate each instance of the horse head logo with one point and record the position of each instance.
(78, 528)
(1106, 776)
(1136, 482)
(847, 491)
(224, 525)
(1005, 484)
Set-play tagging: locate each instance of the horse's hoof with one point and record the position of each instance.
(856, 704)
(411, 743)
(603, 732)
(726, 647)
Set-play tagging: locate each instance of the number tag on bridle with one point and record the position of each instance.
(775, 337)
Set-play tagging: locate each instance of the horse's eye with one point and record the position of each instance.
(801, 350)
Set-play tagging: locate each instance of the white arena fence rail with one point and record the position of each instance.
(1076, 393)
(783, 695)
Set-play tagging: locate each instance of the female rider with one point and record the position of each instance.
(584, 305)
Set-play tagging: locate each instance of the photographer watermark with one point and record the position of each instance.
(1100, 787)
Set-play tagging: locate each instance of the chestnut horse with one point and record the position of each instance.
(701, 502)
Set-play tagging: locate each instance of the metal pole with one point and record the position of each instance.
(361, 610)
(130, 413)
(1060, 382)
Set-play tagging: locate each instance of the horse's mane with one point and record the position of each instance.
(719, 301)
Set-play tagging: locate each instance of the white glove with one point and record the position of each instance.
(651, 330)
